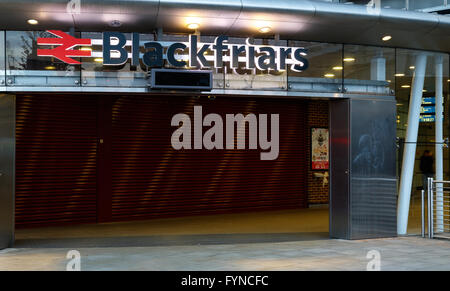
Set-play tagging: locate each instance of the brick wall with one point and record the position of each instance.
(317, 117)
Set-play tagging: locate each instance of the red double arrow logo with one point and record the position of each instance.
(65, 44)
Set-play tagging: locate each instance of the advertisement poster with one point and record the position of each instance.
(319, 148)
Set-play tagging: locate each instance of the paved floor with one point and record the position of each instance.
(277, 240)
(406, 253)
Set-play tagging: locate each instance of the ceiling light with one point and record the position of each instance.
(193, 26)
(412, 67)
(115, 23)
(98, 60)
(400, 75)
(338, 68)
(32, 21)
(406, 86)
(386, 38)
(50, 68)
(265, 29)
(348, 60)
(329, 75)
(424, 90)
(85, 49)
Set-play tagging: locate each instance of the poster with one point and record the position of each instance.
(319, 148)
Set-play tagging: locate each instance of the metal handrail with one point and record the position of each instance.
(438, 204)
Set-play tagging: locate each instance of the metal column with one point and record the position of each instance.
(439, 144)
(410, 144)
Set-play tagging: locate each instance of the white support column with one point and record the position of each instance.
(439, 144)
(409, 153)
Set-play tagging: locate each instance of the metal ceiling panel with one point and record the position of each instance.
(291, 19)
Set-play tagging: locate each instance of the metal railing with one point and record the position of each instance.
(438, 209)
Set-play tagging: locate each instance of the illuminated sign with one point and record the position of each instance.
(191, 54)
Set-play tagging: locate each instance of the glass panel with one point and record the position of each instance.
(394, 4)
(426, 136)
(95, 74)
(2, 59)
(369, 69)
(25, 68)
(421, 4)
(322, 74)
(255, 79)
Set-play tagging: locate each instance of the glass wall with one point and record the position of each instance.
(324, 73)
(426, 138)
(25, 68)
(2, 61)
(369, 69)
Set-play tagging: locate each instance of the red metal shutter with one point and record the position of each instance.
(150, 179)
(56, 144)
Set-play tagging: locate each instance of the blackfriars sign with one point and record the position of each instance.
(192, 54)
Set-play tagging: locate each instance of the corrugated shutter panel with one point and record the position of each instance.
(150, 179)
(56, 148)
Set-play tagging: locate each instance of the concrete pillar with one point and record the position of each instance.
(409, 153)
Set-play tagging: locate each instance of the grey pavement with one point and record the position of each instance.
(403, 253)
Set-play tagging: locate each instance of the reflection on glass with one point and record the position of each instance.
(324, 73)
(369, 69)
(25, 68)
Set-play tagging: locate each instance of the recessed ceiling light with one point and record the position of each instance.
(406, 86)
(412, 67)
(115, 23)
(349, 59)
(265, 29)
(400, 75)
(338, 68)
(98, 60)
(329, 75)
(50, 68)
(193, 25)
(32, 21)
(386, 38)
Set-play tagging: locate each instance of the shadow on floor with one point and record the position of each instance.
(169, 240)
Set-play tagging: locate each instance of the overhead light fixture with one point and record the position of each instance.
(265, 29)
(400, 75)
(85, 49)
(32, 21)
(349, 59)
(338, 68)
(98, 60)
(50, 68)
(115, 23)
(329, 75)
(386, 38)
(389, 81)
(406, 86)
(193, 26)
(424, 90)
(412, 67)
